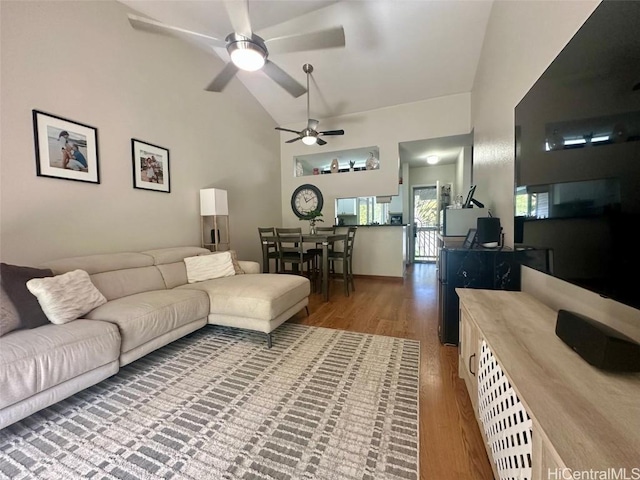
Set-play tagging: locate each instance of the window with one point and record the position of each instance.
(371, 212)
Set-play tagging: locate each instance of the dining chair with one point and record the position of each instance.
(267, 234)
(291, 250)
(317, 252)
(346, 257)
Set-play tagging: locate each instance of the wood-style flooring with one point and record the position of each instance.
(450, 442)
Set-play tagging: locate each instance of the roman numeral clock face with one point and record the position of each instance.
(306, 198)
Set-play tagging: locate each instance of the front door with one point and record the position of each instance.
(425, 218)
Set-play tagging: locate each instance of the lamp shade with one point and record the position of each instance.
(213, 201)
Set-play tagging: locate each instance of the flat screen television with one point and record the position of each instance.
(577, 169)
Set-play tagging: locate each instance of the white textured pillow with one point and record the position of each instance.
(206, 267)
(66, 297)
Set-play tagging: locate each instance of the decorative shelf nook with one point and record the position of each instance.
(354, 160)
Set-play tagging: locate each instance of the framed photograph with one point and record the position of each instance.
(150, 166)
(65, 149)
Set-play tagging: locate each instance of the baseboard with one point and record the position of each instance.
(378, 277)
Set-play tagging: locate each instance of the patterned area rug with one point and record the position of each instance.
(217, 404)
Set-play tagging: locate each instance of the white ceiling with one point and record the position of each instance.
(397, 51)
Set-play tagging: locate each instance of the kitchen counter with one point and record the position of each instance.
(379, 225)
(378, 251)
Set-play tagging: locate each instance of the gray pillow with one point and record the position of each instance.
(14, 283)
(9, 318)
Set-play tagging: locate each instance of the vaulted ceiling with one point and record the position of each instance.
(397, 51)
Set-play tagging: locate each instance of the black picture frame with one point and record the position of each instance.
(65, 149)
(150, 166)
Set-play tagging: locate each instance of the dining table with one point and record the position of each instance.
(324, 239)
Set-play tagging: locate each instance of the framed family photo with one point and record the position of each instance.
(65, 148)
(150, 166)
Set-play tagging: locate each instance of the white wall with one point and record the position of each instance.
(522, 39)
(425, 176)
(385, 128)
(83, 61)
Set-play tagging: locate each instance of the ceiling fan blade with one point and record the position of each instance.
(287, 130)
(148, 25)
(332, 132)
(223, 78)
(320, 141)
(293, 140)
(238, 11)
(312, 124)
(329, 38)
(283, 79)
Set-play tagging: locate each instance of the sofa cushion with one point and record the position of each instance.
(145, 316)
(173, 274)
(34, 360)
(162, 256)
(106, 262)
(14, 282)
(121, 283)
(66, 297)
(206, 267)
(263, 296)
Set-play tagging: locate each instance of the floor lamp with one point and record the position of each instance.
(214, 215)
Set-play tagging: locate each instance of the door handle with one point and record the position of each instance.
(470, 369)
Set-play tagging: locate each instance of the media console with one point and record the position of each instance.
(543, 411)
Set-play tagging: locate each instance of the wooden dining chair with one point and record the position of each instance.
(345, 255)
(267, 234)
(317, 252)
(291, 251)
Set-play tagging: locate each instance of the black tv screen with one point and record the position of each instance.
(578, 157)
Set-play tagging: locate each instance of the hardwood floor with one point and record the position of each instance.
(450, 443)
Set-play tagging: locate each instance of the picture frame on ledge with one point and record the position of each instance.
(65, 149)
(150, 166)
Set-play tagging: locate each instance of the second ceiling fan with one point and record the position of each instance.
(310, 135)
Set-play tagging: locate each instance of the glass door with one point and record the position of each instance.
(425, 223)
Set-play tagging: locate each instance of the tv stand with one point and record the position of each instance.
(562, 414)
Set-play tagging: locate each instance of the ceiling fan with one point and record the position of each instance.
(247, 50)
(310, 135)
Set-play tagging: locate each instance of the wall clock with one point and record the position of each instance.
(306, 198)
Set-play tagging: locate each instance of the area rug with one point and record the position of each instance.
(217, 404)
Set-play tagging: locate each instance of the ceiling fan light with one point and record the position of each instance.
(309, 140)
(247, 55)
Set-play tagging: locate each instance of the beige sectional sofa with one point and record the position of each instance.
(149, 304)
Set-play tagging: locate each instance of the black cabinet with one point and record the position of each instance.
(493, 269)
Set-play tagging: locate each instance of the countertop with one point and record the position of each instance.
(380, 225)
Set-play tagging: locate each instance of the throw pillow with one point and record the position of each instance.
(236, 265)
(66, 297)
(14, 282)
(9, 317)
(207, 267)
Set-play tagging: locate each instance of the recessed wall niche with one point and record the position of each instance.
(353, 160)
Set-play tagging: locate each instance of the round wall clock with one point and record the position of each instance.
(306, 198)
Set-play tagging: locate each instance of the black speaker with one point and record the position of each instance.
(599, 344)
(488, 231)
